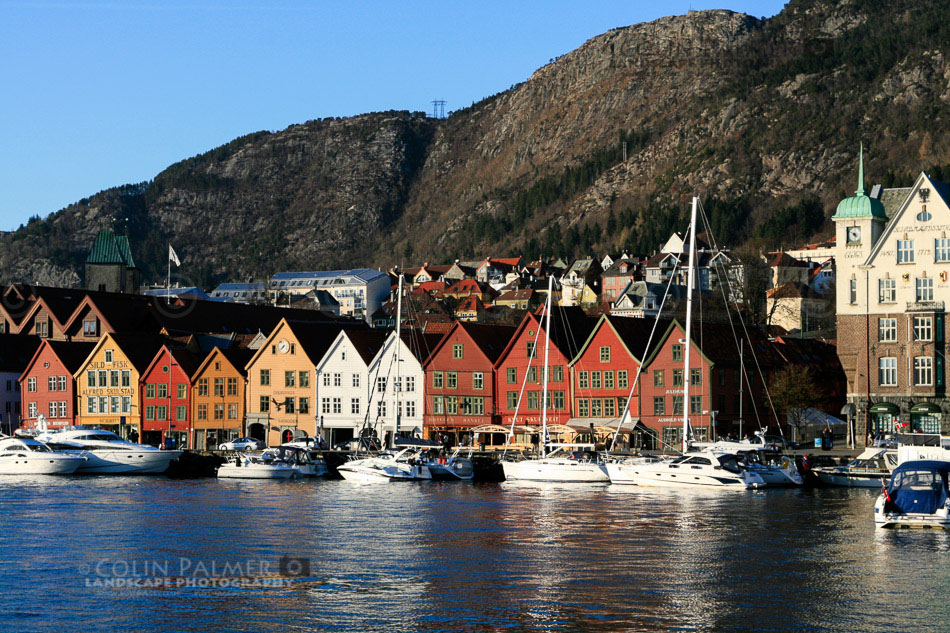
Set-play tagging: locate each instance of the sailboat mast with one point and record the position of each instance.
(741, 381)
(397, 385)
(544, 380)
(690, 282)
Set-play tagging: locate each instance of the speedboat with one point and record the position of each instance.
(870, 469)
(257, 467)
(453, 468)
(402, 466)
(619, 469)
(705, 468)
(562, 466)
(774, 472)
(26, 456)
(758, 441)
(916, 496)
(107, 453)
(308, 463)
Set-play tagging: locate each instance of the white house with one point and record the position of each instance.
(360, 291)
(345, 392)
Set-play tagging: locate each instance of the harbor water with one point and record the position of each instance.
(150, 553)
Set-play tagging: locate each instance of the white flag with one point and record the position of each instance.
(173, 256)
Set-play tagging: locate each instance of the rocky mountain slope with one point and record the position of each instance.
(760, 117)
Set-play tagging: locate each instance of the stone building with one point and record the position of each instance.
(109, 266)
(893, 258)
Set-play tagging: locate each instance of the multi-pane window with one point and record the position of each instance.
(219, 386)
(356, 380)
(265, 377)
(31, 384)
(695, 376)
(337, 380)
(265, 404)
(583, 408)
(437, 378)
(303, 405)
(887, 290)
(290, 380)
(677, 377)
(925, 289)
(532, 374)
(410, 384)
(677, 405)
(659, 377)
(677, 353)
(411, 408)
(853, 291)
(942, 249)
(150, 390)
(182, 389)
(478, 380)
(605, 354)
(303, 379)
(452, 405)
(887, 371)
(923, 328)
(51, 383)
(512, 400)
(608, 380)
(532, 401)
(91, 378)
(886, 330)
(695, 405)
(923, 371)
(531, 348)
(180, 412)
(289, 405)
(202, 412)
(457, 350)
(511, 375)
(381, 409)
(162, 390)
(905, 251)
(583, 380)
(381, 384)
(326, 380)
(324, 405)
(232, 411)
(232, 386)
(556, 400)
(659, 405)
(354, 406)
(622, 378)
(595, 380)
(126, 377)
(438, 404)
(202, 386)
(452, 379)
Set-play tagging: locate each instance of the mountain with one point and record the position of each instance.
(761, 117)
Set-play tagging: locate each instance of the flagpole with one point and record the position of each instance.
(168, 277)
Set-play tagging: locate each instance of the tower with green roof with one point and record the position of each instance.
(110, 266)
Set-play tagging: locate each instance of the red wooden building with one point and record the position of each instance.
(461, 390)
(47, 385)
(524, 356)
(604, 371)
(714, 376)
(165, 396)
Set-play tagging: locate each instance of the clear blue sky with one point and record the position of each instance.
(101, 93)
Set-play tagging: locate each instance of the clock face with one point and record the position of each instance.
(283, 346)
(854, 234)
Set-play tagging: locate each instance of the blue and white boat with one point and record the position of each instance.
(915, 497)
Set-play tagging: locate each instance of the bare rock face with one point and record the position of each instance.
(714, 103)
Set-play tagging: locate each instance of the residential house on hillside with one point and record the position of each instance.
(493, 271)
(249, 292)
(350, 397)
(517, 299)
(795, 306)
(15, 354)
(580, 285)
(470, 308)
(786, 269)
(319, 300)
(360, 291)
(468, 288)
(47, 385)
(615, 278)
(643, 299)
(218, 397)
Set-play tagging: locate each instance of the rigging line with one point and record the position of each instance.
(524, 383)
(758, 367)
(636, 378)
(735, 336)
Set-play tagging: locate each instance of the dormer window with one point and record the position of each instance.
(89, 328)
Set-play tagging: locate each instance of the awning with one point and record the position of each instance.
(925, 407)
(885, 407)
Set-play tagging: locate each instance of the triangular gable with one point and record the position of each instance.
(79, 313)
(215, 352)
(29, 366)
(339, 340)
(922, 179)
(675, 326)
(267, 342)
(95, 350)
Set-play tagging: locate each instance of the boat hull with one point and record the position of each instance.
(459, 470)
(852, 480)
(253, 471)
(46, 465)
(560, 471)
(643, 476)
(126, 462)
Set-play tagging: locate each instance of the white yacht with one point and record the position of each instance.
(107, 453)
(402, 466)
(453, 468)
(308, 463)
(247, 466)
(775, 471)
(562, 466)
(705, 468)
(917, 496)
(26, 456)
(870, 469)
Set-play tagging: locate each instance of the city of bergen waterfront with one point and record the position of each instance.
(150, 553)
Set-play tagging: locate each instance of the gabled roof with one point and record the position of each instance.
(71, 355)
(367, 343)
(941, 189)
(491, 340)
(717, 342)
(314, 338)
(109, 249)
(470, 303)
(570, 329)
(784, 260)
(16, 351)
(236, 357)
(188, 361)
(633, 333)
(790, 290)
(516, 295)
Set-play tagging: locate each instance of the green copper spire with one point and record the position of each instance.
(860, 205)
(860, 190)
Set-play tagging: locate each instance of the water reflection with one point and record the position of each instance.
(457, 557)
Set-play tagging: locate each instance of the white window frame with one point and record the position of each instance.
(887, 371)
(923, 371)
(923, 328)
(905, 251)
(942, 249)
(924, 289)
(887, 330)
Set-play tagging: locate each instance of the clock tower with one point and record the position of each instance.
(859, 222)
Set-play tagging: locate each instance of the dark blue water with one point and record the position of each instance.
(457, 557)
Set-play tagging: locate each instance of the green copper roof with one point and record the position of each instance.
(860, 205)
(109, 249)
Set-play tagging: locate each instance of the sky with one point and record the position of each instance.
(102, 93)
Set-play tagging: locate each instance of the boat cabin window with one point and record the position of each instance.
(917, 479)
(729, 462)
(700, 460)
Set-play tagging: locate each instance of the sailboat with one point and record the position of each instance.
(706, 468)
(562, 465)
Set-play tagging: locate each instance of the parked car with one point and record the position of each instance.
(242, 444)
(365, 444)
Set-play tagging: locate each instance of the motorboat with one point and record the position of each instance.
(566, 464)
(915, 497)
(619, 469)
(705, 468)
(257, 467)
(775, 471)
(107, 453)
(402, 466)
(870, 469)
(757, 442)
(308, 463)
(27, 456)
(456, 467)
